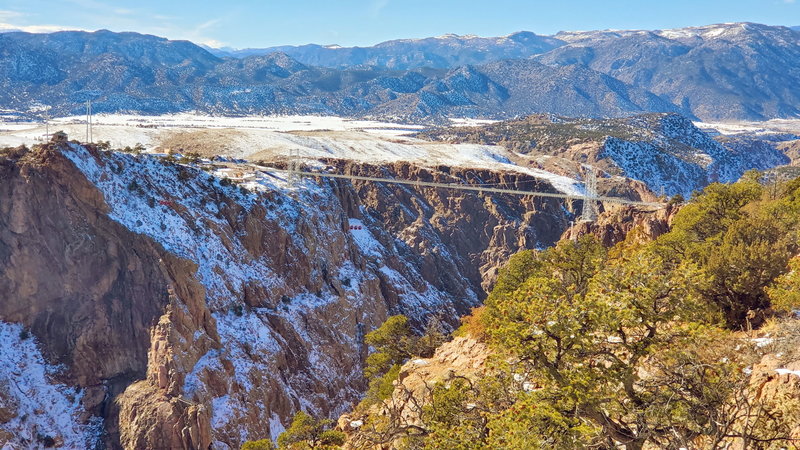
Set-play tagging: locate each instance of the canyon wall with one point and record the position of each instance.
(175, 309)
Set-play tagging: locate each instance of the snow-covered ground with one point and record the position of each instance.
(128, 129)
(774, 126)
(45, 413)
(467, 122)
(267, 138)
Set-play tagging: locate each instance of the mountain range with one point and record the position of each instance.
(739, 71)
(441, 52)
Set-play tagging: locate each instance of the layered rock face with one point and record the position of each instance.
(615, 225)
(186, 312)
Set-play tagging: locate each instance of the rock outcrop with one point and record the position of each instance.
(462, 357)
(615, 224)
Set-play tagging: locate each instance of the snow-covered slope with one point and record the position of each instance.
(667, 152)
(721, 72)
(681, 158)
(35, 410)
(254, 298)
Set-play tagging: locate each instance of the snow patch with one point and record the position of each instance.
(43, 408)
(783, 371)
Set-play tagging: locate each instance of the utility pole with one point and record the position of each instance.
(89, 121)
(294, 165)
(590, 204)
(47, 124)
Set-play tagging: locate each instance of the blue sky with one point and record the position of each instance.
(254, 23)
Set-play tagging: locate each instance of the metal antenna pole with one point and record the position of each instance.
(91, 138)
(590, 204)
(87, 121)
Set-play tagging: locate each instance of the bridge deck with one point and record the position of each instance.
(463, 187)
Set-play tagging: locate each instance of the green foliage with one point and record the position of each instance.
(632, 342)
(746, 259)
(136, 149)
(189, 158)
(534, 422)
(432, 337)
(741, 239)
(519, 267)
(136, 188)
(453, 416)
(713, 211)
(393, 342)
(261, 444)
(381, 386)
(587, 325)
(676, 199)
(784, 292)
(306, 432)
(494, 412)
(632, 347)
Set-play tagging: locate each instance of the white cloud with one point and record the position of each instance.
(121, 19)
(206, 25)
(8, 27)
(377, 6)
(213, 43)
(7, 14)
(7, 19)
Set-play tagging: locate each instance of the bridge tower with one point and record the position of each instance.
(589, 213)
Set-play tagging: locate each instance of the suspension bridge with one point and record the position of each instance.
(590, 197)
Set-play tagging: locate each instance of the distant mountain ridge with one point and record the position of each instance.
(440, 52)
(739, 71)
(719, 72)
(730, 71)
(138, 73)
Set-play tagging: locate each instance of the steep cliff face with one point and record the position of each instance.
(186, 312)
(84, 286)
